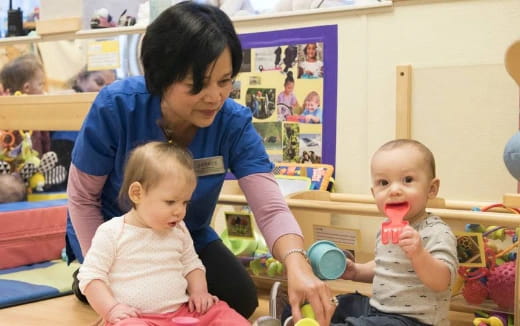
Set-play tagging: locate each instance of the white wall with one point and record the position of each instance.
(464, 104)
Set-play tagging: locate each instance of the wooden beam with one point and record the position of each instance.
(58, 25)
(331, 207)
(44, 112)
(403, 103)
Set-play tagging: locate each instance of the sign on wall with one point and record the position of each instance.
(289, 82)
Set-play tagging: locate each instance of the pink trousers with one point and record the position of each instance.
(220, 314)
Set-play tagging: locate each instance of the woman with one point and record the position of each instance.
(190, 55)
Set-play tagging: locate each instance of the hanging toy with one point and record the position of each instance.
(501, 285)
(27, 153)
(36, 182)
(475, 292)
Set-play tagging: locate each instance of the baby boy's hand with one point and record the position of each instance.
(121, 311)
(350, 272)
(410, 242)
(201, 302)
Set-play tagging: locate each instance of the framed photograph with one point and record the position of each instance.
(239, 225)
(470, 249)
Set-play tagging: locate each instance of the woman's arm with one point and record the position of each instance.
(283, 234)
(84, 204)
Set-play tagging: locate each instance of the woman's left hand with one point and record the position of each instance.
(305, 287)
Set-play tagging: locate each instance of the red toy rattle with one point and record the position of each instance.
(392, 229)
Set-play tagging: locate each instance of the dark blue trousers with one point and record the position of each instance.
(355, 310)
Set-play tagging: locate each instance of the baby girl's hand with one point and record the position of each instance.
(201, 302)
(121, 311)
(410, 242)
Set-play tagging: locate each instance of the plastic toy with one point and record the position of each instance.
(268, 265)
(493, 319)
(392, 229)
(308, 317)
(254, 254)
(475, 292)
(500, 283)
(36, 172)
(36, 182)
(126, 20)
(496, 280)
(512, 156)
(101, 19)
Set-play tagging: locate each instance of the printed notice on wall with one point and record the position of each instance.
(103, 55)
(343, 238)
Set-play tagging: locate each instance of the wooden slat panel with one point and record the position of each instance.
(44, 112)
(403, 105)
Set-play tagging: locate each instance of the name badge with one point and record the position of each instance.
(209, 166)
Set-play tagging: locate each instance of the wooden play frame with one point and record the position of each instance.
(316, 208)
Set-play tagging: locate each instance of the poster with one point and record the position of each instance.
(289, 82)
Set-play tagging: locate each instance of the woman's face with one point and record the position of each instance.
(179, 105)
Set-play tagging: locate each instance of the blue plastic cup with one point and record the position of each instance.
(327, 260)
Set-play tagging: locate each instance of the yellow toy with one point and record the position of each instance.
(27, 153)
(36, 182)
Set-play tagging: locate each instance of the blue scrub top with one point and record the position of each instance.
(124, 115)
(64, 135)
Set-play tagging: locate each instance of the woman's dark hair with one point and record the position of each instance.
(187, 38)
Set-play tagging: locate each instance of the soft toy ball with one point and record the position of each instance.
(501, 285)
(474, 291)
(512, 155)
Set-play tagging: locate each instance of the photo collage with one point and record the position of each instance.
(283, 88)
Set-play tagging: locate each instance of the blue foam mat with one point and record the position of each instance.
(35, 282)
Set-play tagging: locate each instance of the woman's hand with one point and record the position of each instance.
(305, 287)
(201, 302)
(121, 311)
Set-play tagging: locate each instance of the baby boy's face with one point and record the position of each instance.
(402, 175)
